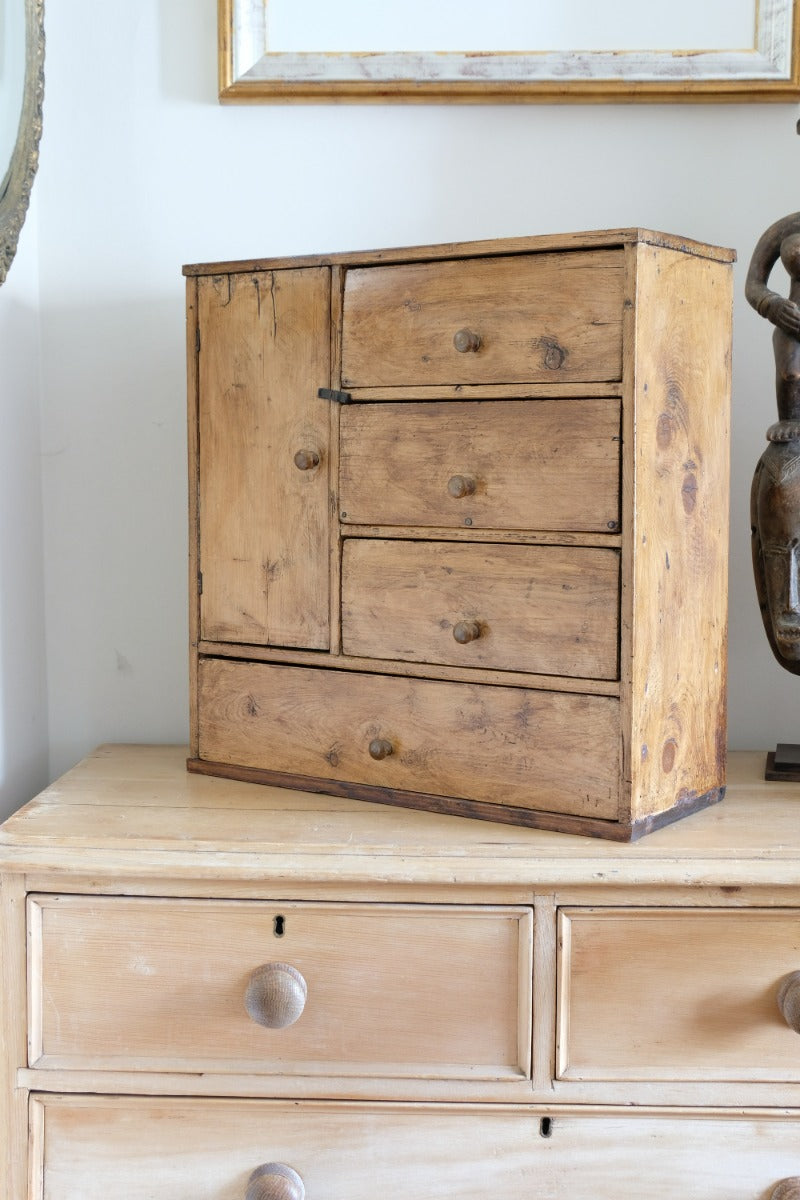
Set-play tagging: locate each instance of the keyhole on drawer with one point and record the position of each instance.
(279, 926)
(546, 1126)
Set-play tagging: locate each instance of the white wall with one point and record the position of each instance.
(142, 171)
(23, 693)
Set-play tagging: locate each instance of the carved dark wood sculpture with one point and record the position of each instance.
(775, 495)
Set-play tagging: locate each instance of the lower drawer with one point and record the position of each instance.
(547, 610)
(93, 1148)
(507, 747)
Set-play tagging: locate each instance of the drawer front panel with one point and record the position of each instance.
(90, 1149)
(549, 610)
(547, 751)
(543, 318)
(147, 984)
(676, 994)
(526, 464)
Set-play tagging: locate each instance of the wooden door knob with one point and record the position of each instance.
(466, 341)
(787, 1189)
(460, 486)
(275, 1181)
(306, 460)
(380, 748)
(789, 1000)
(466, 631)
(276, 995)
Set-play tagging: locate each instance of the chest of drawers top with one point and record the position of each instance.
(474, 1000)
(459, 526)
(135, 810)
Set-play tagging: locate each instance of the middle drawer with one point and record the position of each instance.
(411, 991)
(497, 464)
(549, 610)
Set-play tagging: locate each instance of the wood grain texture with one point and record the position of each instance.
(134, 810)
(95, 1147)
(382, 666)
(264, 540)
(677, 530)
(620, 315)
(539, 318)
(193, 456)
(542, 609)
(392, 991)
(13, 1099)
(595, 239)
(544, 465)
(334, 444)
(514, 747)
(656, 994)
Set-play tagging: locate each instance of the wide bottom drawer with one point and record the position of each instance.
(91, 1148)
(516, 748)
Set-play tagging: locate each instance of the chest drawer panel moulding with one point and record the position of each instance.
(459, 525)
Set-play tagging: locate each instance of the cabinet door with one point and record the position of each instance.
(264, 350)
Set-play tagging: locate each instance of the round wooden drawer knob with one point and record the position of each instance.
(467, 342)
(275, 1181)
(789, 1002)
(787, 1189)
(380, 748)
(276, 995)
(460, 486)
(466, 631)
(306, 460)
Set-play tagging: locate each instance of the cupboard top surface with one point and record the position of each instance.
(523, 245)
(136, 809)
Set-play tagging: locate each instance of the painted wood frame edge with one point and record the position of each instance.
(250, 73)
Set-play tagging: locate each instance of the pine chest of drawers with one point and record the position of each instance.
(459, 526)
(228, 992)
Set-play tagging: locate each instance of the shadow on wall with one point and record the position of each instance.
(23, 682)
(115, 496)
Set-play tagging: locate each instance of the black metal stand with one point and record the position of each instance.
(783, 762)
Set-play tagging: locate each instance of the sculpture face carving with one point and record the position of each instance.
(775, 522)
(775, 496)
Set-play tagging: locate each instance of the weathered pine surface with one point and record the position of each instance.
(478, 1000)
(501, 466)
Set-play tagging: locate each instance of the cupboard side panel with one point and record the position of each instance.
(680, 530)
(192, 335)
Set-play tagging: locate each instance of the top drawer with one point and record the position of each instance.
(375, 991)
(676, 994)
(539, 318)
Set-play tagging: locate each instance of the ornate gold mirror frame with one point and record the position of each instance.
(760, 63)
(15, 189)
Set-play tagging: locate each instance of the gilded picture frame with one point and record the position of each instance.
(251, 71)
(16, 183)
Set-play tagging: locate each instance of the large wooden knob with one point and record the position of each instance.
(466, 631)
(460, 486)
(380, 748)
(275, 1181)
(306, 460)
(276, 995)
(466, 341)
(787, 1189)
(789, 1000)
